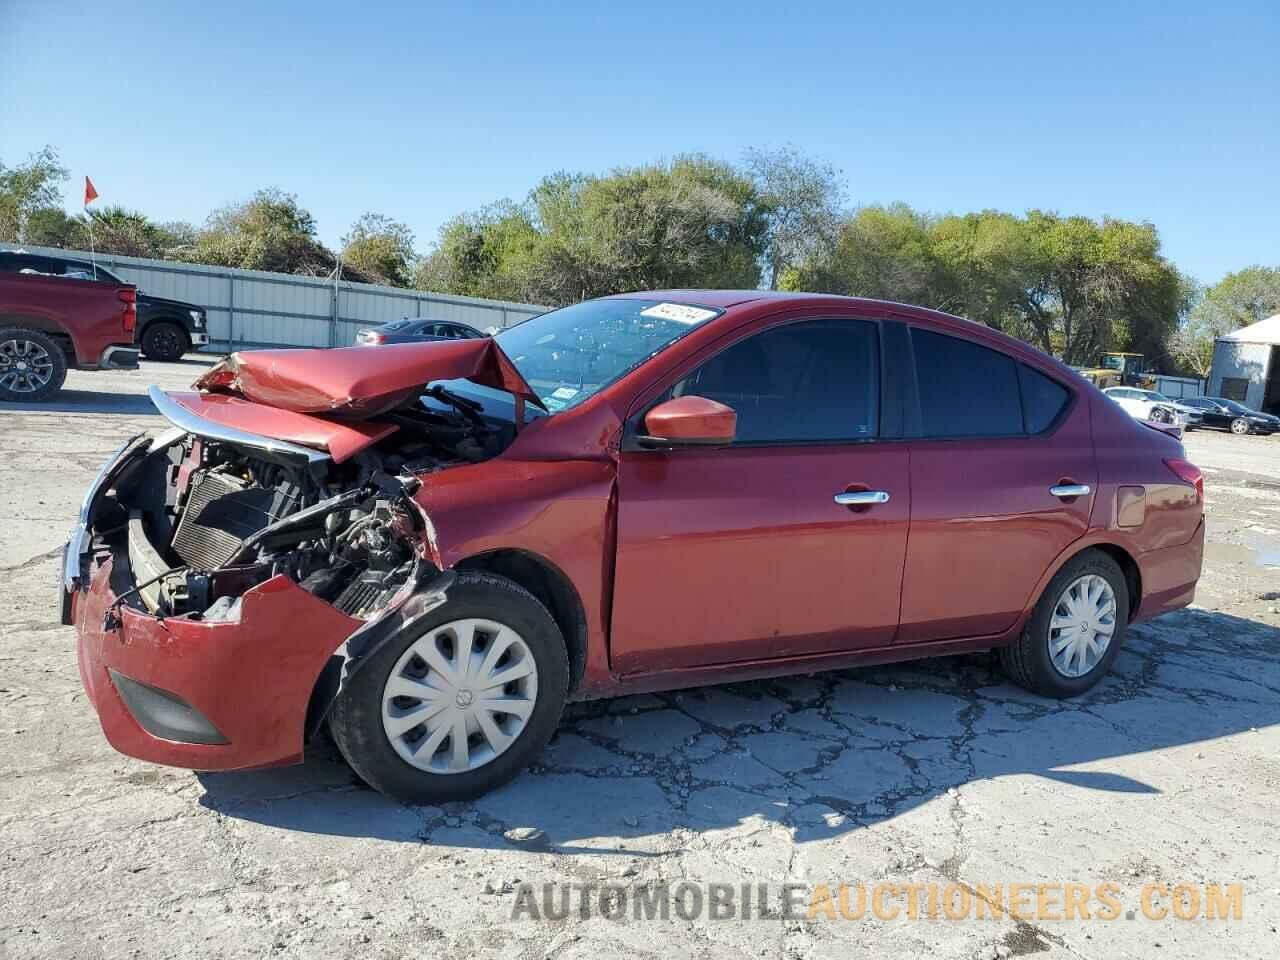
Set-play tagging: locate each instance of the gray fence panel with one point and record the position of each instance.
(257, 308)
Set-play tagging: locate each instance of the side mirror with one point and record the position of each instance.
(689, 422)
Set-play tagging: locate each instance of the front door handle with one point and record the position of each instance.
(1071, 490)
(861, 498)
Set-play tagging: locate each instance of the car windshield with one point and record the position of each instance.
(567, 355)
(1156, 397)
(1113, 363)
(1234, 407)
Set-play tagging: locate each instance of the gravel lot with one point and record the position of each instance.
(930, 773)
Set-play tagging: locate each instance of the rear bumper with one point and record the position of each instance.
(119, 357)
(236, 692)
(1169, 576)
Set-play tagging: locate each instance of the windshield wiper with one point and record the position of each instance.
(470, 409)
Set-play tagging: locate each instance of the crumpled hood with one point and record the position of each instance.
(355, 383)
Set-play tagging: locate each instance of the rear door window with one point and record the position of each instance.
(965, 390)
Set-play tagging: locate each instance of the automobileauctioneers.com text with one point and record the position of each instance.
(886, 902)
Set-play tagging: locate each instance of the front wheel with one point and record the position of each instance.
(1239, 426)
(1075, 631)
(165, 341)
(461, 704)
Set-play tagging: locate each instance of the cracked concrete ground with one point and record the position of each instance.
(933, 772)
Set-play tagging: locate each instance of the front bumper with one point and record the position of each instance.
(249, 681)
(239, 690)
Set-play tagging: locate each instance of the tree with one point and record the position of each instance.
(1241, 298)
(879, 252)
(30, 189)
(484, 254)
(119, 230)
(691, 221)
(801, 201)
(270, 231)
(1237, 300)
(52, 227)
(1071, 285)
(381, 249)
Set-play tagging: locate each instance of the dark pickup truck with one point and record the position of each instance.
(166, 328)
(51, 324)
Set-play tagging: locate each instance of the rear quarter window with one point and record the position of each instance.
(1043, 399)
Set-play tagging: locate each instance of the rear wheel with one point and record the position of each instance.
(1075, 631)
(1239, 426)
(165, 341)
(461, 704)
(32, 365)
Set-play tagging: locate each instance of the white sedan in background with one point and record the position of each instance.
(1155, 407)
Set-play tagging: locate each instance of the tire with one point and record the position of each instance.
(362, 708)
(1240, 426)
(1028, 660)
(166, 341)
(32, 365)
(1160, 416)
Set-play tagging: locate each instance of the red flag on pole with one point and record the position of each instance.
(90, 194)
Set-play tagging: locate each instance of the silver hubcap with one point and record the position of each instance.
(459, 696)
(1083, 622)
(25, 367)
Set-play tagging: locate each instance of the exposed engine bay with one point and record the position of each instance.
(198, 521)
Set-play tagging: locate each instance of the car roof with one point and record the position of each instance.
(724, 299)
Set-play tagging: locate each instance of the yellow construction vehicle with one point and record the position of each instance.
(1120, 369)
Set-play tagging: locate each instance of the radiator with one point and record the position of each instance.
(221, 512)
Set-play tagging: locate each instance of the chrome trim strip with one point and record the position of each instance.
(181, 417)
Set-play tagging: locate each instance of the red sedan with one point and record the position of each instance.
(432, 547)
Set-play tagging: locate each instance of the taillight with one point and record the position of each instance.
(129, 297)
(374, 338)
(1188, 472)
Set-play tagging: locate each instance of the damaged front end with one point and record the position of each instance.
(224, 582)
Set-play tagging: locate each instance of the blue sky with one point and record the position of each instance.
(1162, 111)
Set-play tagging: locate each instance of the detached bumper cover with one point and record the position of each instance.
(249, 681)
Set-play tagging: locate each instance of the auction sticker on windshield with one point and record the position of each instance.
(679, 312)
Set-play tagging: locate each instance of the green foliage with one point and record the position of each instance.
(268, 232)
(1237, 300)
(1073, 286)
(31, 189)
(1241, 298)
(381, 249)
(692, 221)
(801, 200)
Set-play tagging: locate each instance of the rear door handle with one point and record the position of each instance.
(1071, 490)
(861, 498)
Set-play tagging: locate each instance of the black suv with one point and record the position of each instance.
(166, 328)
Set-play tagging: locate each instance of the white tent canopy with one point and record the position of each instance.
(1264, 331)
